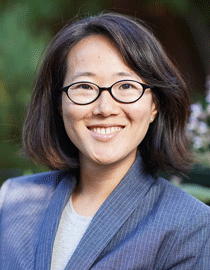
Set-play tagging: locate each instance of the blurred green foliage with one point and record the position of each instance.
(20, 51)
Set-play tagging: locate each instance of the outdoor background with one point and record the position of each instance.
(27, 26)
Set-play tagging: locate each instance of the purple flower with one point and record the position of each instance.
(197, 142)
(196, 109)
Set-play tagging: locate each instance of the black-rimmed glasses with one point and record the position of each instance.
(124, 91)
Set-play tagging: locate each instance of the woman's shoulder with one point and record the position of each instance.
(31, 185)
(179, 202)
(50, 178)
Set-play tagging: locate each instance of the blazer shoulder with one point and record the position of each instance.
(181, 201)
(31, 184)
(190, 219)
(51, 177)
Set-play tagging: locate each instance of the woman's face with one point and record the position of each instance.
(105, 131)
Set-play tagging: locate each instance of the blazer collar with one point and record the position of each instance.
(51, 220)
(111, 216)
(104, 225)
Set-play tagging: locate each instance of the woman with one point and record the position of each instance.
(107, 113)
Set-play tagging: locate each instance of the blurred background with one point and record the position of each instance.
(27, 26)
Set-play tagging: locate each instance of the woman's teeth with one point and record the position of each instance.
(107, 130)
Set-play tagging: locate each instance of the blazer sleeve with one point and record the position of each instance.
(192, 247)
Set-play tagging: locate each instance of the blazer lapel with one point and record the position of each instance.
(51, 221)
(111, 216)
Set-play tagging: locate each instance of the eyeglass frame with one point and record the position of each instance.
(109, 89)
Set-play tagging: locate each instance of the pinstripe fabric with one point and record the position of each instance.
(143, 224)
(22, 218)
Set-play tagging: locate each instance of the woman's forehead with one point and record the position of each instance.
(95, 56)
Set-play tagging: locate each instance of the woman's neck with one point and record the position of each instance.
(96, 183)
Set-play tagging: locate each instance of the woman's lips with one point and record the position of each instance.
(104, 133)
(106, 130)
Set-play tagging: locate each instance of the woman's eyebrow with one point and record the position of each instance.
(83, 74)
(124, 74)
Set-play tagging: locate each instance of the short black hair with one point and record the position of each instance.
(165, 146)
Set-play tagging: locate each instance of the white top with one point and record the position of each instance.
(70, 231)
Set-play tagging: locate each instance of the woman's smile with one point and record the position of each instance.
(105, 133)
(105, 130)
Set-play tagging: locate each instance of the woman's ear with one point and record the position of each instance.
(154, 111)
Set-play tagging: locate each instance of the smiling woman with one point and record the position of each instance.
(89, 127)
(108, 112)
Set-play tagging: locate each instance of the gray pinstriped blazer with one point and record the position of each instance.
(144, 224)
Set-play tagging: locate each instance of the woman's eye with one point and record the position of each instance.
(126, 86)
(84, 86)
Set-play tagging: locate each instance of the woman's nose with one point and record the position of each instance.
(105, 105)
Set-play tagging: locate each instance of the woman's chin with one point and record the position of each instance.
(108, 159)
(105, 160)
